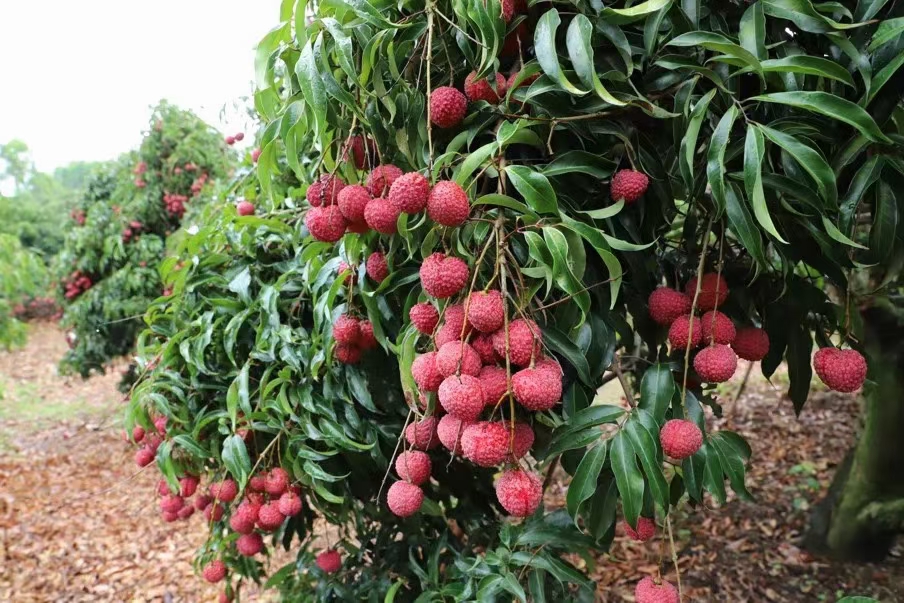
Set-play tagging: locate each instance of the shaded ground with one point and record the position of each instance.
(78, 523)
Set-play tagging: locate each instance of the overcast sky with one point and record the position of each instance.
(77, 77)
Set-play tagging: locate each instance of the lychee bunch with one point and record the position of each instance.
(325, 190)
(413, 466)
(751, 343)
(376, 266)
(680, 438)
(448, 204)
(646, 529)
(666, 305)
(648, 591)
(717, 328)
(486, 312)
(716, 363)
(841, 370)
(478, 90)
(519, 492)
(462, 397)
(409, 192)
(404, 499)
(443, 276)
(329, 561)
(447, 107)
(424, 317)
(628, 185)
(713, 291)
(352, 338)
(381, 178)
(325, 223)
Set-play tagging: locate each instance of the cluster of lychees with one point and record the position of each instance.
(353, 336)
(78, 216)
(38, 308)
(75, 284)
(131, 231)
(231, 140)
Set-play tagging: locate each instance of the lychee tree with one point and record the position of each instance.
(465, 218)
(108, 268)
(23, 278)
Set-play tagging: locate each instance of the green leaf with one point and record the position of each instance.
(506, 201)
(306, 71)
(580, 49)
(583, 162)
(732, 461)
(800, 347)
(754, 149)
(473, 161)
(717, 43)
(583, 485)
(809, 159)
(830, 106)
(627, 475)
(606, 212)
(887, 31)
(235, 457)
(715, 159)
(656, 390)
(802, 14)
(713, 477)
(885, 223)
(535, 188)
(561, 343)
(589, 417)
(391, 593)
(752, 33)
(743, 226)
(689, 142)
(572, 441)
(882, 77)
(837, 235)
(644, 433)
(545, 49)
(807, 65)
(634, 13)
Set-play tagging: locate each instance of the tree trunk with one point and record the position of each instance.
(864, 510)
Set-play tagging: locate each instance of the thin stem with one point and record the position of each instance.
(629, 392)
(668, 525)
(430, 9)
(690, 328)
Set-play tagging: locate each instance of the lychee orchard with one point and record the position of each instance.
(465, 217)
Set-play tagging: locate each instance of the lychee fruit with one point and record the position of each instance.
(449, 430)
(137, 433)
(277, 481)
(186, 512)
(358, 227)
(368, 340)
(376, 266)
(347, 354)
(448, 204)
(713, 291)
(716, 364)
(325, 223)
(486, 312)
(422, 434)
(324, 191)
(457, 357)
(202, 501)
(381, 178)
(519, 492)
(494, 382)
(680, 438)
(462, 397)
(241, 522)
(352, 201)
(169, 516)
(648, 591)
(258, 482)
(447, 107)
(214, 512)
(486, 443)
(269, 518)
(841, 370)
(144, 456)
(483, 345)
(171, 503)
(188, 485)
(249, 545)
(347, 330)
(717, 328)
(224, 491)
(537, 389)
(523, 441)
(160, 425)
(681, 327)
(425, 373)
(443, 276)
(289, 504)
(507, 9)
(404, 499)
(381, 215)
(524, 339)
(478, 90)
(329, 561)
(424, 317)
(646, 529)
(255, 155)
(447, 333)
(230, 140)
(409, 192)
(214, 571)
(240, 137)
(666, 305)
(244, 208)
(751, 343)
(413, 466)
(628, 185)
(355, 146)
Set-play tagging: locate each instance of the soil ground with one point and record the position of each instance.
(78, 522)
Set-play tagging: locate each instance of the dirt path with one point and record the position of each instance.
(78, 523)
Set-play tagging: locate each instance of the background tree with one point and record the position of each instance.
(17, 165)
(23, 276)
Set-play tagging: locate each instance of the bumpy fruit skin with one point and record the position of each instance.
(368, 340)
(482, 90)
(289, 504)
(455, 357)
(424, 317)
(716, 364)
(171, 503)
(524, 440)
(249, 545)
(537, 389)
(483, 345)
(214, 571)
(448, 204)
(648, 591)
(679, 330)
(347, 330)
(841, 370)
(666, 305)
(494, 381)
(137, 433)
(381, 215)
(413, 466)
(524, 338)
(329, 561)
(244, 208)
(646, 529)
(447, 107)
(422, 434)
(409, 192)
(486, 443)
(680, 438)
(277, 481)
(326, 224)
(347, 354)
(352, 201)
(224, 491)
(358, 152)
(324, 191)
(507, 10)
(269, 517)
(713, 291)
(449, 430)
(214, 512)
(381, 178)
(751, 343)
(241, 522)
(425, 373)
(188, 485)
(404, 499)
(462, 397)
(443, 276)
(717, 328)
(628, 185)
(519, 492)
(376, 266)
(486, 312)
(202, 501)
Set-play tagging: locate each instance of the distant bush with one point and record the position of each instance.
(23, 276)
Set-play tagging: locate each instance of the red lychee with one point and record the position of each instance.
(507, 9)
(483, 90)
(347, 354)
(169, 516)
(241, 522)
(324, 191)
(494, 382)
(524, 440)
(277, 481)
(449, 430)
(137, 433)
(269, 517)
(462, 396)
(376, 266)
(214, 571)
(717, 328)
(713, 291)
(368, 340)
(681, 327)
(425, 373)
(186, 512)
(443, 276)
(483, 345)
(409, 192)
(289, 504)
(240, 136)
(524, 339)
(424, 317)
(413, 466)
(537, 389)
(144, 456)
(680, 438)
(448, 204)
(486, 312)
(202, 501)
(249, 545)
(716, 364)
(347, 330)
(447, 106)
(486, 443)
(519, 492)
(188, 485)
(244, 208)
(381, 215)
(648, 591)
(230, 140)
(404, 499)
(171, 503)
(224, 491)
(356, 147)
(422, 434)
(841, 370)
(214, 512)
(352, 201)
(457, 357)
(751, 343)
(666, 305)
(381, 178)
(646, 529)
(329, 561)
(628, 185)
(325, 223)
(255, 155)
